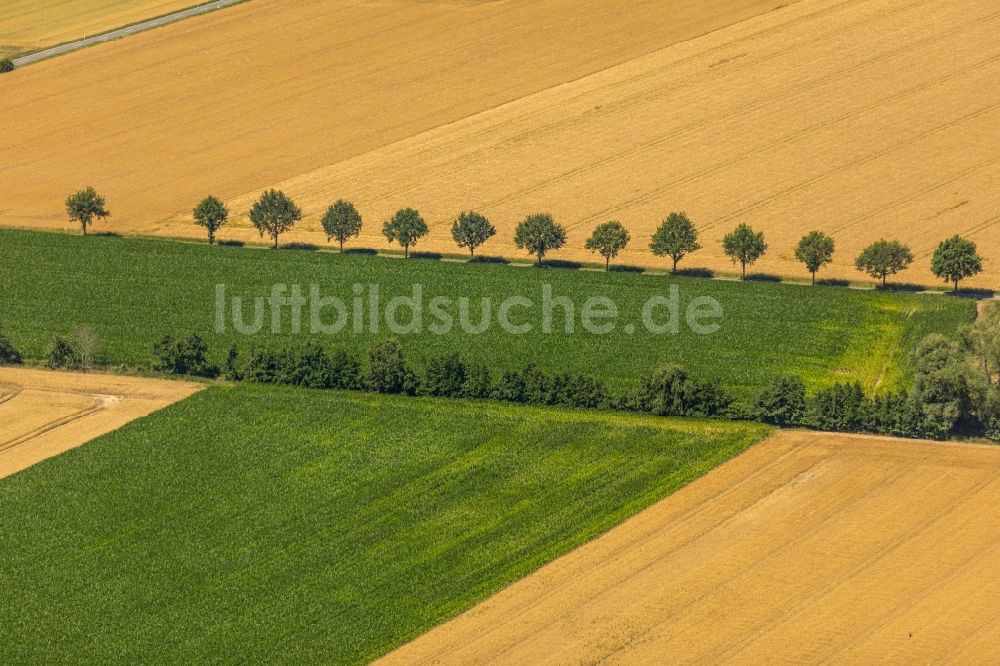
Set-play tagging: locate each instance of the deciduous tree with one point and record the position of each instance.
(884, 258)
(539, 234)
(274, 214)
(744, 245)
(471, 229)
(815, 250)
(212, 214)
(956, 259)
(675, 238)
(84, 206)
(341, 221)
(608, 240)
(405, 228)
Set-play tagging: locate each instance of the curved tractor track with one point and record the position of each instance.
(43, 414)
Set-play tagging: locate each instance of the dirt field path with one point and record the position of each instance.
(119, 33)
(43, 414)
(808, 548)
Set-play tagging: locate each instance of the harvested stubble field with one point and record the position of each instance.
(270, 89)
(809, 548)
(269, 525)
(43, 414)
(138, 290)
(29, 25)
(863, 118)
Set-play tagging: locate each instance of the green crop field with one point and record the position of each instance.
(133, 291)
(269, 524)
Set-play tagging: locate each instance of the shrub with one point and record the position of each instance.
(6, 65)
(510, 387)
(671, 392)
(63, 354)
(262, 367)
(180, 356)
(445, 377)
(901, 414)
(840, 408)
(782, 403)
(86, 340)
(477, 382)
(579, 391)
(387, 371)
(231, 370)
(9, 355)
(345, 371)
(309, 366)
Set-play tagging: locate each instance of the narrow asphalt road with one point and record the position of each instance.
(122, 32)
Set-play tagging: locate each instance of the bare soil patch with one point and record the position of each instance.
(43, 413)
(809, 547)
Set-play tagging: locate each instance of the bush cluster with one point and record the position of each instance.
(671, 392)
(183, 356)
(64, 354)
(310, 366)
(9, 355)
(846, 408)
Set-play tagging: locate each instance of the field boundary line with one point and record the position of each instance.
(651, 534)
(892, 478)
(123, 31)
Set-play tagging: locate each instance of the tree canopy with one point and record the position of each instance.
(212, 214)
(86, 205)
(884, 258)
(608, 240)
(676, 237)
(815, 250)
(539, 234)
(273, 214)
(405, 228)
(956, 259)
(745, 246)
(471, 229)
(341, 221)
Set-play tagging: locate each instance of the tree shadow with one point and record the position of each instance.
(625, 268)
(367, 251)
(695, 272)
(978, 293)
(231, 243)
(301, 247)
(833, 282)
(561, 263)
(902, 286)
(486, 259)
(762, 277)
(428, 256)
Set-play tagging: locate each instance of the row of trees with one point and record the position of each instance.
(275, 213)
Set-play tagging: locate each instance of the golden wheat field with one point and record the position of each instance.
(809, 548)
(242, 98)
(28, 25)
(863, 118)
(43, 413)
